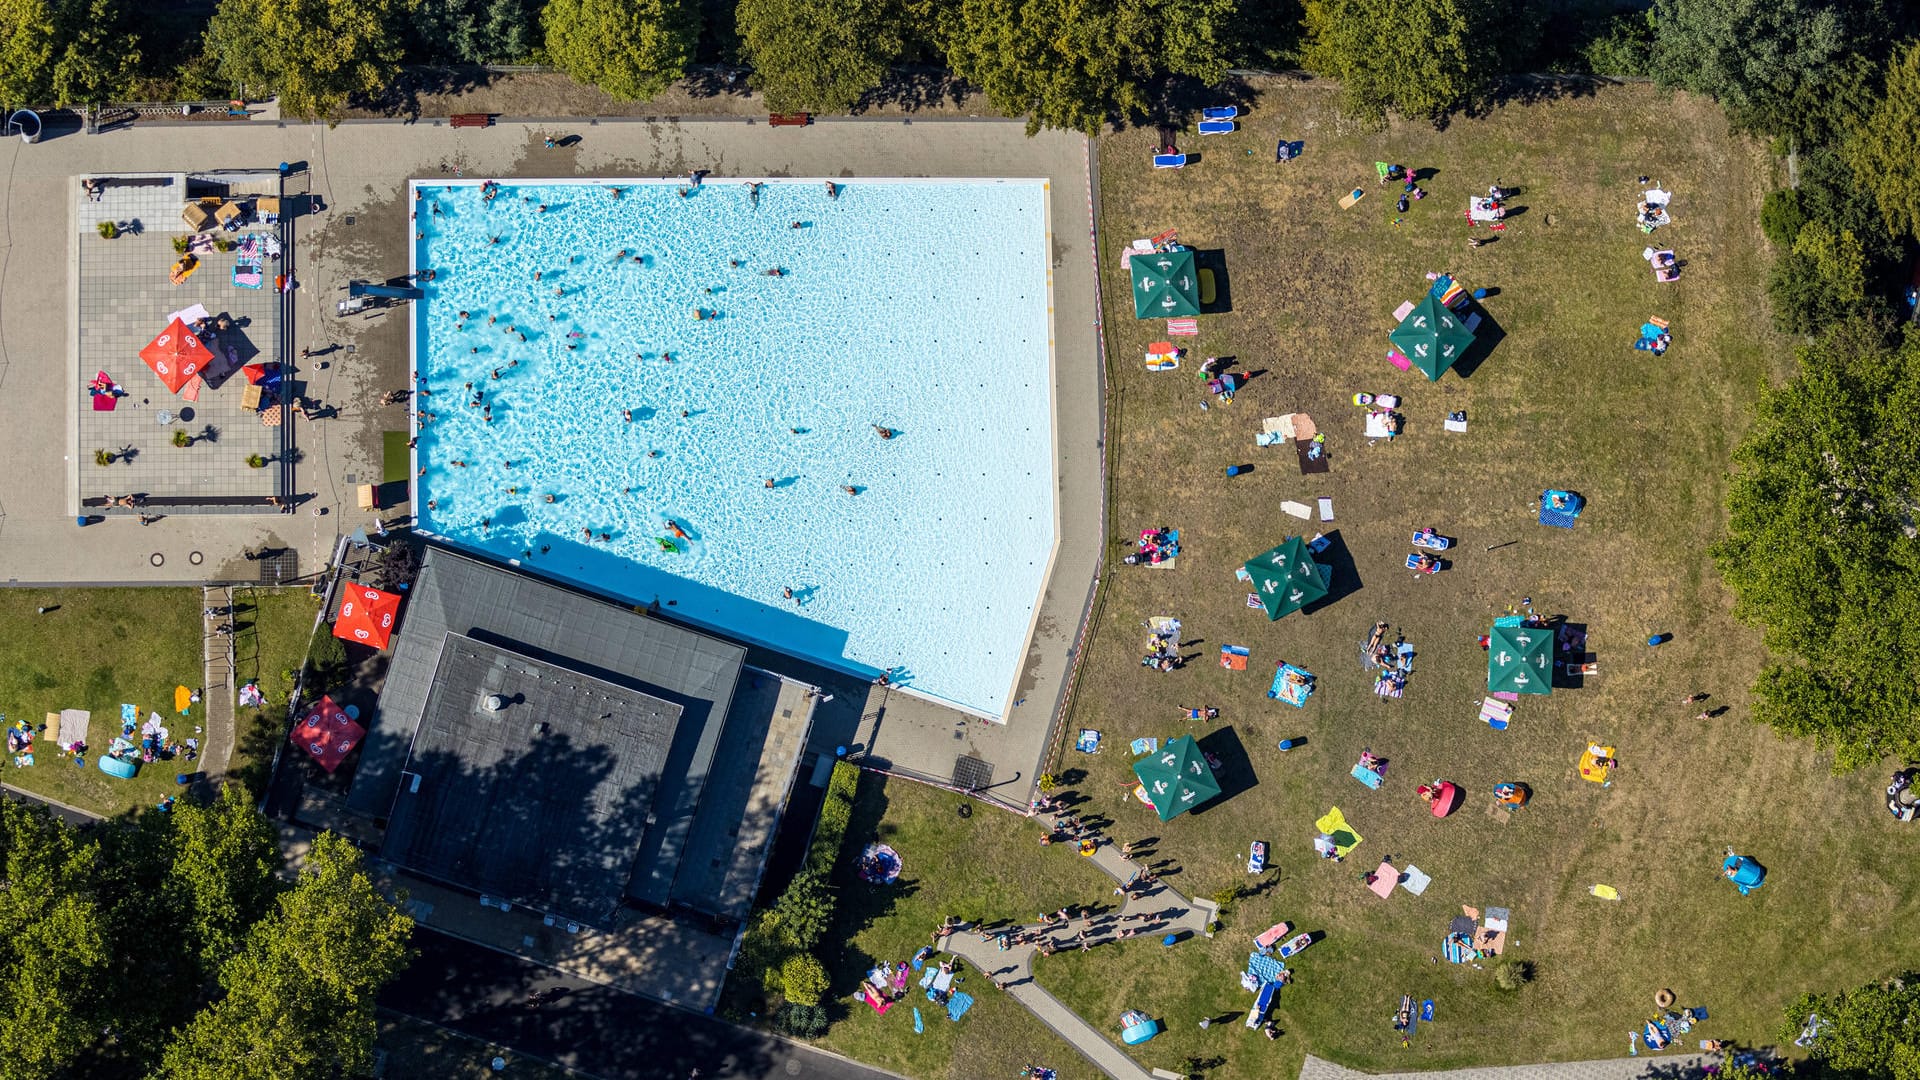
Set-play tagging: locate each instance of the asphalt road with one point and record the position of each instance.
(482, 993)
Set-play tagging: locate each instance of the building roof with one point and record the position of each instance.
(455, 597)
(544, 801)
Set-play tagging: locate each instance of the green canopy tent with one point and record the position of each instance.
(1165, 284)
(1286, 578)
(1520, 659)
(1432, 337)
(1176, 778)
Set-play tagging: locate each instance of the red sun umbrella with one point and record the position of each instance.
(177, 355)
(366, 616)
(328, 733)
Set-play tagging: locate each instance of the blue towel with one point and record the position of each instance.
(958, 1004)
(1264, 968)
(129, 713)
(1367, 776)
(1426, 1010)
(918, 1027)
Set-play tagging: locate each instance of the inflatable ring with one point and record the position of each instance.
(1663, 999)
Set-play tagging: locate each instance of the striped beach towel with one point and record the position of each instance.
(1183, 327)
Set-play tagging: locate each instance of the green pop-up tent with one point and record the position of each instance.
(1432, 337)
(1165, 285)
(1520, 659)
(1176, 777)
(1286, 578)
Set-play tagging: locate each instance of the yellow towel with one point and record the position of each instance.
(182, 698)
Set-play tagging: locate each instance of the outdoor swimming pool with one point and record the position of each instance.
(920, 306)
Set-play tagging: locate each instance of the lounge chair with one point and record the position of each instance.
(1217, 127)
(1220, 112)
(1169, 161)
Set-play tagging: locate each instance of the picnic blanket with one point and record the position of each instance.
(1234, 657)
(958, 1004)
(1385, 877)
(1334, 824)
(1497, 714)
(73, 726)
(1313, 456)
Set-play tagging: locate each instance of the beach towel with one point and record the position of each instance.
(1264, 968)
(1183, 327)
(958, 1004)
(1390, 684)
(1379, 425)
(1497, 714)
(1143, 745)
(1294, 692)
(1299, 510)
(1334, 824)
(1415, 880)
(1405, 309)
(129, 714)
(1253, 601)
(926, 980)
(918, 1026)
(1385, 877)
(1351, 197)
(1088, 741)
(1326, 509)
(182, 699)
(1605, 892)
(1454, 425)
(1234, 657)
(1426, 1011)
(1367, 776)
(1311, 461)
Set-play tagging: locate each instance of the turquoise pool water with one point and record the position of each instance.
(922, 307)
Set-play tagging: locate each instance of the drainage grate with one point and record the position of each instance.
(972, 773)
(280, 567)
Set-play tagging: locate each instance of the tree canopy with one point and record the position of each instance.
(1775, 64)
(313, 53)
(1880, 149)
(1079, 64)
(630, 48)
(148, 928)
(474, 31)
(1822, 551)
(808, 55)
(1871, 1031)
(1419, 58)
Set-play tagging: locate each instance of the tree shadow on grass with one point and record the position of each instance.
(401, 97)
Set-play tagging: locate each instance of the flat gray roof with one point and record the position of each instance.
(545, 801)
(456, 597)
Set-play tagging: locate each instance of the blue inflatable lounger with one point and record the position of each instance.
(1560, 508)
(114, 766)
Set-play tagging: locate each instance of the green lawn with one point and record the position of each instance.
(1562, 400)
(93, 650)
(276, 625)
(974, 867)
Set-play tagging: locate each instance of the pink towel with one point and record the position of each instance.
(1183, 327)
(1401, 362)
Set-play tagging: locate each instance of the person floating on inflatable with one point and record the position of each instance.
(667, 545)
(674, 528)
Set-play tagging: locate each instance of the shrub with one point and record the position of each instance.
(803, 979)
(1225, 897)
(801, 1021)
(181, 244)
(804, 912)
(1511, 975)
(1623, 47)
(1047, 783)
(835, 815)
(1781, 216)
(255, 461)
(327, 663)
(222, 244)
(108, 230)
(181, 438)
(103, 457)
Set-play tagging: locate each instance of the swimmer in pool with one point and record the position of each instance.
(776, 272)
(850, 489)
(883, 432)
(674, 528)
(769, 481)
(628, 413)
(549, 497)
(787, 592)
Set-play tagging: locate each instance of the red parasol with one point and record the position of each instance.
(366, 616)
(328, 733)
(177, 355)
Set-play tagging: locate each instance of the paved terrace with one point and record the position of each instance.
(357, 174)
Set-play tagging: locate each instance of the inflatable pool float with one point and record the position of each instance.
(1137, 1027)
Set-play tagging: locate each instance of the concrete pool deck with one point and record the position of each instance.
(358, 173)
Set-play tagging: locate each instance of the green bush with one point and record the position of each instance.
(327, 664)
(108, 230)
(1781, 216)
(1511, 975)
(181, 244)
(103, 457)
(804, 912)
(800, 1021)
(1623, 47)
(835, 815)
(255, 461)
(181, 438)
(803, 979)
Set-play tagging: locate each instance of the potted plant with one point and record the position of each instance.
(181, 438)
(255, 461)
(181, 244)
(108, 230)
(103, 457)
(222, 244)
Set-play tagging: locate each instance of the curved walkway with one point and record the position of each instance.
(1147, 914)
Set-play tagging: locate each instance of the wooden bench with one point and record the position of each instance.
(472, 119)
(798, 119)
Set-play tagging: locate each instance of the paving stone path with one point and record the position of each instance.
(1644, 1067)
(1146, 915)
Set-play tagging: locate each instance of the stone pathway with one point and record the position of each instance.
(1147, 915)
(216, 688)
(1644, 1067)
